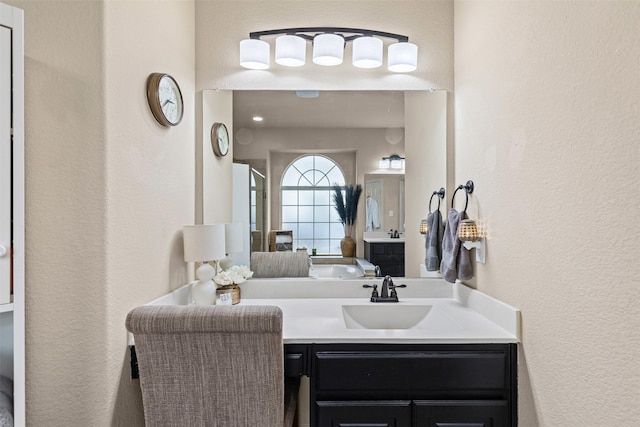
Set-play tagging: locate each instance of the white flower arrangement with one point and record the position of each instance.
(237, 275)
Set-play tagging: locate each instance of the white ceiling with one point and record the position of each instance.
(332, 109)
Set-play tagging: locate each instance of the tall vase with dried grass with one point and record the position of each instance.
(347, 208)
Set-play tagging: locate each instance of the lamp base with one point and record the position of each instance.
(203, 292)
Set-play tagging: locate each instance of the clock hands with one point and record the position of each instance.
(166, 102)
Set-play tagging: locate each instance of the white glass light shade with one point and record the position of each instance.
(367, 52)
(254, 54)
(328, 49)
(291, 51)
(233, 237)
(396, 163)
(384, 164)
(203, 242)
(402, 57)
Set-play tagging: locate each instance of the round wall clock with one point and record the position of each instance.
(219, 139)
(165, 99)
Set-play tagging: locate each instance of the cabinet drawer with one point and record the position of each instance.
(478, 373)
(377, 413)
(465, 413)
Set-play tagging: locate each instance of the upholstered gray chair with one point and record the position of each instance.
(214, 366)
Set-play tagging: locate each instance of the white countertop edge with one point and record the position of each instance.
(500, 313)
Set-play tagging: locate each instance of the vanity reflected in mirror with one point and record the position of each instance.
(354, 129)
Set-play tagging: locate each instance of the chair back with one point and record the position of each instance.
(214, 366)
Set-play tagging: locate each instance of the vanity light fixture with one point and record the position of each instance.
(393, 161)
(328, 48)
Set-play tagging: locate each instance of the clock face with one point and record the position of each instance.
(220, 139)
(165, 99)
(170, 99)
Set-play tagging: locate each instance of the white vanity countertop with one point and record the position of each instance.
(312, 311)
(320, 320)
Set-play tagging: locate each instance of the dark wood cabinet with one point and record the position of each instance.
(389, 256)
(410, 385)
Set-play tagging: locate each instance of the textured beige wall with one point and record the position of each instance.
(547, 101)
(107, 193)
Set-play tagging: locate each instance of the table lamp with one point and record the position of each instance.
(204, 243)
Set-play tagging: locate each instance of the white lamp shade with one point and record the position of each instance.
(383, 164)
(328, 49)
(233, 238)
(203, 242)
(402, 57)
(254, 54)
(291, 51)
(367, 52)
(396, 163)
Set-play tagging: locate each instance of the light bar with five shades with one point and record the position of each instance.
(328, 48)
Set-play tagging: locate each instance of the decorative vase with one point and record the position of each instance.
(348, 247)
(203, 292)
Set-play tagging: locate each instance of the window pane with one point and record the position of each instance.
(291, 177)
(334, 247)
(323, 197)
(305, 230)
(335, 176)
(334, 214)
(304, 163)
(289, 214)
(337, 231)
(322, 213)
(323, 163)
(289, 197)
(322, 246)
(293, 226)
(321, 229)
(305, 214)
(307, 179)
(305, 197)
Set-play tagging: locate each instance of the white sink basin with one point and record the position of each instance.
(384, 316)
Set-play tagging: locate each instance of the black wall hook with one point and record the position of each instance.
(468, 189)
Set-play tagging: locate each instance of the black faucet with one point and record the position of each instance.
(384, 296)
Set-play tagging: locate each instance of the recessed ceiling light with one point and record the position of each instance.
(258, 118)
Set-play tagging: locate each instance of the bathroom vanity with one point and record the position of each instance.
(445, 355)
(386, 253)
(376, 385)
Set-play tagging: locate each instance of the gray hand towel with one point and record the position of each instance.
(465, 268)
(450, 247)
(433, 241)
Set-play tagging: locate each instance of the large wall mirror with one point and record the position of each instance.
(354, 128)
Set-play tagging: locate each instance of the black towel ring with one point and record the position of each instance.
(440, 194)
(468, 189)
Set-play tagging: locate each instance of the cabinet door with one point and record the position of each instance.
(461, 413)
(374, 413)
